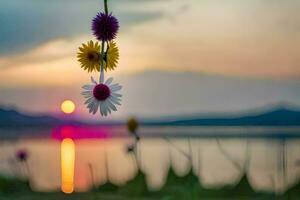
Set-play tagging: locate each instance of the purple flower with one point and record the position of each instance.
(22, 155)
(105, 27)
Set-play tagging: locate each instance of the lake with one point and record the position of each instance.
(218, 156)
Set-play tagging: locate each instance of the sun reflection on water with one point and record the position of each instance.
(67, 165)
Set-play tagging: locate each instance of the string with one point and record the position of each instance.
(101, 79)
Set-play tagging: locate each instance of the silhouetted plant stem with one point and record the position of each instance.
(170, 156)
(136, 155)
(247, 157)
(132, 126)
(190, 151)
(27, 172)
(106, 165)
(178, 149)
(134, 160)
(139, 155)
(227, 155)
(137, 150)
(282, 160)
(92, 175)
(199, 162)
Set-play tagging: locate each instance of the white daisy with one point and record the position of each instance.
(102, 95)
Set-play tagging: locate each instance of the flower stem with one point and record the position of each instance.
(102, 63)
(105, 7)
(101, 79)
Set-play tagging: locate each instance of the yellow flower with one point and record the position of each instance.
(89, 56)
(112, 56)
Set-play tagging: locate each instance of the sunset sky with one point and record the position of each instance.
(177, 57)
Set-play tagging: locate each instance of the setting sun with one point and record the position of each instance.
(67, 106)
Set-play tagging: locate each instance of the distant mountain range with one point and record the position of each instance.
(275, 117)
(13, 118)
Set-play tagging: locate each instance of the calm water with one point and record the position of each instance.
(217, 155)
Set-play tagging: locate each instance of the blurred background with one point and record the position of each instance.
(225, 73)
(176, 57)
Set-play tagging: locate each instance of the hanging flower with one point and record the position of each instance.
(89, 56)
(111, 57)
(105, 27)
(103, 96)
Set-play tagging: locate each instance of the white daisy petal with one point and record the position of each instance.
(105, 108)
(108, 106)
(93, 80)
(86, 93)
(87, 96)
(116, 94)
(101, 108)
(89, 100)
(109, 81)
(111, 105)
(88, 87)
(116, 88)
(114, 85)
(115, 97)
(114, 100)
(108, 109)
(95, 108)
(90, 107)
(95, 104)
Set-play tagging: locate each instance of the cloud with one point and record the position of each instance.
(28, 23)
(42, 66)
(211, 36)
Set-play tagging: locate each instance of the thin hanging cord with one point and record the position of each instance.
(101, 79)
(105, 7)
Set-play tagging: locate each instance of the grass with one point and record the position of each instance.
(175, 188)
